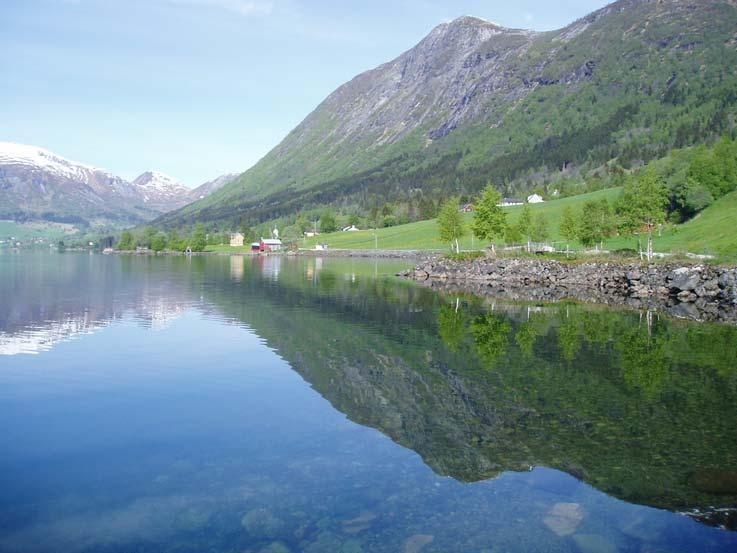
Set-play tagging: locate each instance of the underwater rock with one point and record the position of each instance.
(564, 518)
(359, 524)
(415, 543)
(351, 546)
(593, 543)
(261, 523)
(276, 547)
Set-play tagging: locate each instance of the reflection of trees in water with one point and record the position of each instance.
(451, 325)
(491, 336)
(643, 358)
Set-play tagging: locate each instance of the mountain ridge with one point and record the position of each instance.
(473, 101)
(37, 184)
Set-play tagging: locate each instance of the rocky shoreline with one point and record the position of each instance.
(698, 292)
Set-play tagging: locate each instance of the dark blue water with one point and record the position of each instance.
(274, 405)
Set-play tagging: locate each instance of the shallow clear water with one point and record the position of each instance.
(276, 404)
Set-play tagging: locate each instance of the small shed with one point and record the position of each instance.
(535, 199)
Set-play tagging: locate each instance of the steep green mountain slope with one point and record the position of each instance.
(474, 101)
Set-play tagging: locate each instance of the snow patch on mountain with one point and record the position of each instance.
(12, 153)
(160, 185)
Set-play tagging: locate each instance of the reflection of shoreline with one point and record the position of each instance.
(555, 294)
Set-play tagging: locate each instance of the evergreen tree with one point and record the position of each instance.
(450, 223)
(489, 220)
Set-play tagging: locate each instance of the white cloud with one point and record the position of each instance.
(241, 7)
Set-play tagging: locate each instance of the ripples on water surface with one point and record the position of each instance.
(275, 405)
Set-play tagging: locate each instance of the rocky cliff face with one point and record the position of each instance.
(474, 101)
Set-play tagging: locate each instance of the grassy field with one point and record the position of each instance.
(709, 233)
(423, 235)
(28, 231)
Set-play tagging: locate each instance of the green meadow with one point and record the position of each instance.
(711, 232)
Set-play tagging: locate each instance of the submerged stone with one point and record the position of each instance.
(261, 523)
(564, 518)
(276, 547)
(415, 543)
(593, 543)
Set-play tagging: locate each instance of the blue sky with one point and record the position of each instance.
(197, 88)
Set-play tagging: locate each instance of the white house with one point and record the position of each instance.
(507, 202)
(535, 199)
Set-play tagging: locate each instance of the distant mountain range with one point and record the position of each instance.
(474, 102)
(36, 184)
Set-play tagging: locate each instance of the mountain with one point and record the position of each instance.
(209, 187)
(162, 192)
(474, 101)
(36, 184)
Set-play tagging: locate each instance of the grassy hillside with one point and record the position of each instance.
(711, 232)
(623, 85)
(24, 232)
(423, 235)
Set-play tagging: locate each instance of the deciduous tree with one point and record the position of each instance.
(489, 220)
(450, 223)
(642, 205)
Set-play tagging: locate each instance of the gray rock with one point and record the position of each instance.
(685, 278)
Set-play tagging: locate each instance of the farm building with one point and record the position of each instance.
(236, 239)
(270, 244)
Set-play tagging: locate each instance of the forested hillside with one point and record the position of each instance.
(475, 102)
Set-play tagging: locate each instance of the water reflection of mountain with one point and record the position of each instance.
(47, 299)
(641, 408)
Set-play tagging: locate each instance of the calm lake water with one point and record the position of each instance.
(320, 405)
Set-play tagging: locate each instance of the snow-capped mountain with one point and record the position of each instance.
(162, 192)
(36, 184)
